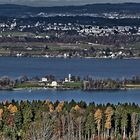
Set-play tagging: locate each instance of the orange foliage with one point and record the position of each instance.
(108, 113)
(50, 106)
(77, 108)
(98, 118)
(60, 107)
(108, 123)
(1, 113)
(12, 108)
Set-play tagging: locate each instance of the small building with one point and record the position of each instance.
(54, 84)
(44, 79)
(66, 80)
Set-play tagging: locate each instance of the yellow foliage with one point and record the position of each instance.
(108, 114)
(60, 107)
(108, 123)
(12, 108)
(98, 118)
(77, 108)
(51, 108)
(98, 115)
(1, 113)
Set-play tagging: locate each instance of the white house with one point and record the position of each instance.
(44, 79)
(66, 80)
(54, 84)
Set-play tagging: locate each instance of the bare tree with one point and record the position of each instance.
(42, 130)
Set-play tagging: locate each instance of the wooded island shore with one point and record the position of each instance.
(70, 82)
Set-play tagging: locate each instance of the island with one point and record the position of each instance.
(69, 83)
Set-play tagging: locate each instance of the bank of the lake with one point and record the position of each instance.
(78, 87)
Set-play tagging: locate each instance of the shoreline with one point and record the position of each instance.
(78, 57)
(65, 89)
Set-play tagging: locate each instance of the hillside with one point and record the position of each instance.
(19, 10)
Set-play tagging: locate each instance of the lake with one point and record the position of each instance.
(78, 95)
(98, 68)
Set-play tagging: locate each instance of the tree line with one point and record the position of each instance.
(45, 120)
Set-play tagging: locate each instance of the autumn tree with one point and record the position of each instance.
(98, 118)
(60, 107)
(108, 114)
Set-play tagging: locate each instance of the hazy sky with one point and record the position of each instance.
(61, 2)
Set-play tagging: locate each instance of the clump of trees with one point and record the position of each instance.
(134, 80)
(106, 84)
(44, 120)
(6, 83)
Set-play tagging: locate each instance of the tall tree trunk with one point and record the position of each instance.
(88, 135)
(76, 135)
(80, 128)
(98, 133)
(115, 131)
(107, 132)
(63, 126)
(124, 133)
(138, 134)
(69, 132)
(93, 136)
(134, 133)
(72, 129)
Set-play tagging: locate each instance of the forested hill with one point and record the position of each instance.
(19, 10)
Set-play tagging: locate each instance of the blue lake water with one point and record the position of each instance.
(98, 68)
(14, 67)
(78, 95)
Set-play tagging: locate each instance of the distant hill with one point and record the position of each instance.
(19, 10)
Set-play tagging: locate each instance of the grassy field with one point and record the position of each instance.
(14, 34)
(38, 48)
(51, 46)
(28, 85)
(73, 85)
(132, 86)
(135, 45)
